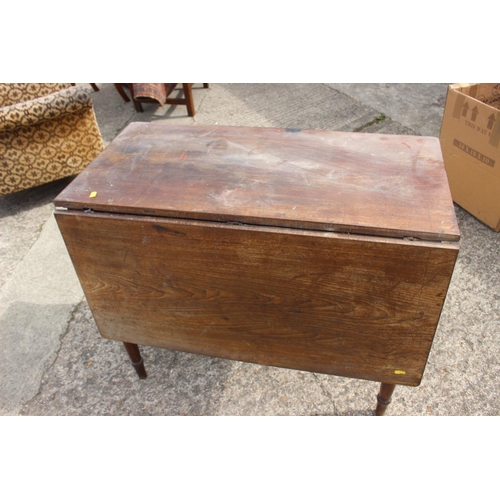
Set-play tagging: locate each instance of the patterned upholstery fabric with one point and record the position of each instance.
(47, 132)
(14, 93)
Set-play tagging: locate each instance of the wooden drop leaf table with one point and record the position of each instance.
(323, 251)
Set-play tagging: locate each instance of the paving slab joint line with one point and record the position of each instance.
(378, 119)
(43, 380)
(326, 393)
(351, 98)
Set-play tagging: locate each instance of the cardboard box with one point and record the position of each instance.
(470, 137)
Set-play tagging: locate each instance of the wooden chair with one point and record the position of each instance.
(187, 100)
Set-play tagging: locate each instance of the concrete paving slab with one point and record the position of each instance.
(416, 106)
(35, 307)
(79, 373)
(307, 106)
(22, 217)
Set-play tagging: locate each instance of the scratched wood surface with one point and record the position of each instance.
(335, 181)
(354, 306)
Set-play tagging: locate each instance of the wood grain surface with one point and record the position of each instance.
(354, 306)
(357, 183)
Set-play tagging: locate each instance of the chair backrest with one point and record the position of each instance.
(14, 93)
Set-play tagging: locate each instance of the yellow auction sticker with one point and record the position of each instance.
(93, 194)
(399, 372)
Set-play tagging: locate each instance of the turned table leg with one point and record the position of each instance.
(136, 359)
(384, 398)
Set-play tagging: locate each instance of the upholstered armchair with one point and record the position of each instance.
(48, 131)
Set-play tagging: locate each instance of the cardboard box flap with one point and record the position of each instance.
(487, 93)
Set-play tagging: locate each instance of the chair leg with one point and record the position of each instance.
(186, 87)
(137, 104)
(119, 87)
(206, 86)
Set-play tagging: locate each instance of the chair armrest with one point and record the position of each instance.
(45, 108)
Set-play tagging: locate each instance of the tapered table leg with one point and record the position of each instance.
(384, 398)
(136, 359)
